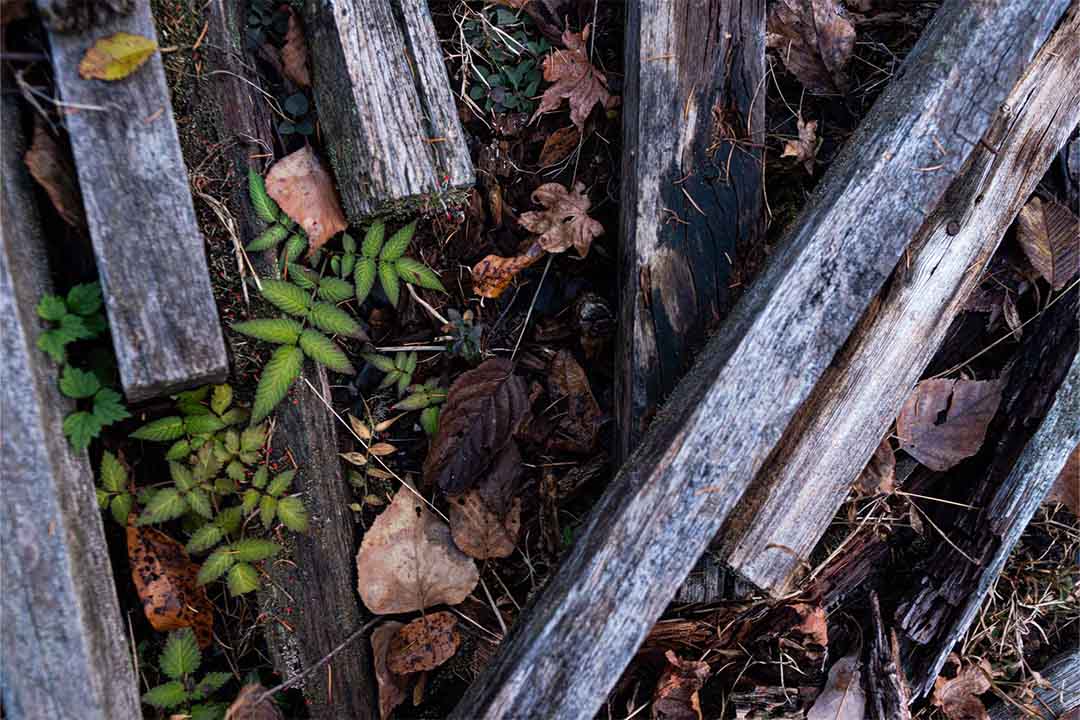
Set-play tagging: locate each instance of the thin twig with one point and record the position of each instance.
(528, 315)
(434, 313)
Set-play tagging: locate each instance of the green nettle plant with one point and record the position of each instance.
(426, 398)
(114, 492)
(179, 662)
(388, 261)
(399, 369)
(78, 317)
(282, 227)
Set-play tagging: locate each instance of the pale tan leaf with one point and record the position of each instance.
(957, 696)
(564, 223)
(304, 189)
(843, 697)
(944, 421)
(382, 449)
(804, 150)
(294, 53)
(362, 431)
(1050, 236)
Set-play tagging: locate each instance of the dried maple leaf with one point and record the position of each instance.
(49, 166)
(294, 53)
(580, 424)
(559, 145)
(165, 579)
(575, 79)
(408, 562)
(815, 41)
(565, 222)
(392, 687)
(879, 475)
(304, 189)
(248, 706)
(1066, 489)
(804, 149)
(1048, 233)
(424, 644)
(944, 421)
(957, 696)
(676, 695)
(492, 275)
(843, 697)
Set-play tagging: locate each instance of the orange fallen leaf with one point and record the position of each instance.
(115, 57)
(1048, 233)
(957, 696)
(294, 52)
(676, 696)
(492, 275)
(49, 166)
(304, 189)
(559, 145)
(944, 421)
(804, 150)
(391, 685)
(424, 644)
(564, 222)
(575, 79)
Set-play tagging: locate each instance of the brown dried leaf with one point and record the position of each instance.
(804, 149)
(843, 697)
(294, 53)
(49, 166)
(165, 579)
(392, 687)
(1048, 233)
(559, 145)
(944, 421)
(879, 475)
(245, 706)
(815, 40)
(485, 520)
(580, 425)
(575, 79)
(565, 222)
(957, 696)
(676, 694)
(483, 410)
(305, 191)
(1066, 489)
(424, 644)
(493, 274)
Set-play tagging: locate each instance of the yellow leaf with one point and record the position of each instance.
(116, 57)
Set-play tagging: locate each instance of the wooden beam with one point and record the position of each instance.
(1050, 703)
(696, 462)
(63, 643)
(310, 603)
(149, 251)
(692, 195)
(858, 398)
(386, 111)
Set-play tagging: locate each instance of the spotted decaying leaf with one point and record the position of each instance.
(115, 57)
(879, 475)
(1066, 489)
(392, 687)
(1050, 236)
(492, 275)
(247, 705)
(957, 695)
(843, 697)
(804, 150)
(676, 695)
(944, 421)
(49, 166)
(559, 145)
(304, 189)
(165, 579)
(814, 40)
(294, 52)
(575, 79)
(424, 644)
(579, 425)
(564, 222)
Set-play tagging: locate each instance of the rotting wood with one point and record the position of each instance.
(692, 195)
(887, 688)
(63, 641)
(387, 113)
(658, 514)
(838, 429)
(150, 253)
(1053, 702)
(310, 602)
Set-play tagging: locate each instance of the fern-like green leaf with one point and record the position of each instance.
(264, 205)
(164, 505)
(281, 483)
(243, 579)
(322, 350)
(164, 429)
(254, 549)
(216, 565)
(205, 538)
(335, 290)
(278, 376)
(113, 474)
(292, 514)
(181, 655)
(415, 272)
(373, 240)
(286, 296)
(51, 308)
(76, 383)
(388, 278)
(268, 238)
(398, 243)
(332, 319)
(166, 696)
(366, 270)
(283, 331)
(379, 362)
(80, 428)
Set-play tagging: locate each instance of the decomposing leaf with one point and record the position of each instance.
(579, 425)
(492, 275)
(485, 519)
(565, 221)
(1048, 233)
(49, 166)
(559, 145)
(676, 695)
(804, 150)
(407, 560)
(304, 189)
(294, 53)
(115, 57)
(957, 696)
(575, 79)
(392, 686)
(944, 421)
(165, 579)
(247, 705)
(879, 475)
(424, 644)
(1066, 489)
(843, 697)
(815, 40)
(483, 410)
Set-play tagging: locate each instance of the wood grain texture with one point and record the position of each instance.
(887, 690)
(1049, 703)
(694, 465)
(692, 195)
(62, 639)
(841, 425)
(318, 585)
(147, 244)
(387, 113)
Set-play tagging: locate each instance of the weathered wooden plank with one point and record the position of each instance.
(887, 689)
(692, 195)
(388, 116)
(842, 424)
(149, 251)
(310, 603)
(62, 640)
(1050, 703)
(695, 463)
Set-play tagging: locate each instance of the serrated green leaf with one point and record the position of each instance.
(235, 416)
(292, 513)
(294, 248)
(51, 308)
(221, 398)
(243, 579)
(230, 518)
(348, 263)
(335, 290)
(252, 438)
(334, 320)
(373, 240)
(165, 504)
(283, 331)
(278, 376)
(164, 429)
(388, 278)
(198, 500)
(211, 683)
(109, 406)
(267, 510)
(415, 272)
(166, 696)
(181, 655)
(235, 471)
(348, 244)
(205, 538)
(254, 549)
(251, 500)
(179, 450)
(260, 478)
(113, 473)
(208, 711)
(286, 296)
(202, 424)
(120, 507)
(264, 205)
(189, 407)
(80, 428)
(379, 362)
(195, 395)
(322, 350)
(84, 299)
(181, 476)
(52, 343)
(364, 278)
(302, 277)
(76, 383)
(76, 327)
(268, 238)
(415, 401)
(397, 244)
(429, 421)
(102, 497)
(281, 483)
(216, 565)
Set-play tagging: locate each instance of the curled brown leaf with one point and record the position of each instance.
(804, 150)
(564, 222)
(50, 167)
(294, 53)
(944, 421)
(248, 706)
(676, 695)
(559, 145)
(492, 275)
(575, 79)
(957, 696)
(580, 424)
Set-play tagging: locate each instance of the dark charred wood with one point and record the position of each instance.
(887, 687)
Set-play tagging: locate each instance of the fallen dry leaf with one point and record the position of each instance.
(424, 644)
(565, 221)
(1066, 489)
(559, 145)
(115, 57)
(957, 696)
(392, 687)
(165, 579)
(246, 707)
(815, 40)
(485, 520)
(579, 425)
(676, 695)
(1048, 233)
(49, 166)
(408, 562)
(804, 150)
(575, 79)
(879, 475)
(492, 275)
(944, 421)
(294, 53)
(304, 189)
(843, 697)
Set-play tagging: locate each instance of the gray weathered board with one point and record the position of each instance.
(387, 114)
(719, 426)
(147, 244)
(62, 641)
(842, 423)
(1053, 701)
(692, 195)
